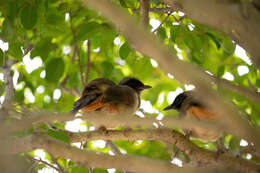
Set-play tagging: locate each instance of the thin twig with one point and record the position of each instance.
(157, 10)
(31, 167)
(88, 61)
(46, 163)
(164, 20)
(73, 91)
(76, 52)
(112, 147)
(79, 64)
(55, 160)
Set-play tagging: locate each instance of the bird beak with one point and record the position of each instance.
(168, 108)
(146, 87)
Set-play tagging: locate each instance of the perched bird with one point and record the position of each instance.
(190, 107)
(104, 95)
(92, 95)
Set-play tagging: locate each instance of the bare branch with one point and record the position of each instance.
(243, 91)
(164, 20)
(44, 162)
(76, 52)
(9, 87)
(72, 91)
(111, 121)
(144, 6)
(88, 61)
(113, 147)
(120, 162)
(198, 156)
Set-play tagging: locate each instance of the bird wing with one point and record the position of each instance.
(94, 105)
(84, 101)
(201, 113)
(92, 95)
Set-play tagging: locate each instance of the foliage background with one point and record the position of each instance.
(51, 40)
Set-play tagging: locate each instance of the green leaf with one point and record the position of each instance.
(98, 170)
(258, 83)
(1, 57)
(15, 50)
(7, 30)
(28, 16)
(54, 18)
(124, 51)
(156, 2)
(2, 87)
(215, 39)
(59, 135)
(43, 48)
(175, 31)
(161, 33)
(88, 30)
(228, 46)
(78, 169)
(54, 70)
(221, 71)
(234, 144)
(122, 3)
(107, 68)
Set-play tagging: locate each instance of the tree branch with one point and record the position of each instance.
(145, 6)
(120, 162)
(186, 73)
(111, 121)
(9, 87)
(45, 163)
(243, 91)
(164, 20)
(88, 61)
(76, 52)
(72, 91)
(199, 156)
(228, 18)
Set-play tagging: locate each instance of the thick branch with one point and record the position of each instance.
(99, 120)
(152, 47)
(144, 6)
(199, 156)
(9, 86)
(120, 162)
(228, 18)
(243, 91)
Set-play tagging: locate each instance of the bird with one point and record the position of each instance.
(190, 107)
(105, 96)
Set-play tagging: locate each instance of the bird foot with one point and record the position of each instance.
(188, 134)
(103, 129)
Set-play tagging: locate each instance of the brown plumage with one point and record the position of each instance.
(104, 95)
(191, 107)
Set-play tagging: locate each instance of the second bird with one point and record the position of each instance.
(191, 107)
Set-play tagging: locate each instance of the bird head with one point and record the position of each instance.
(134, 83)
(177, 103)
